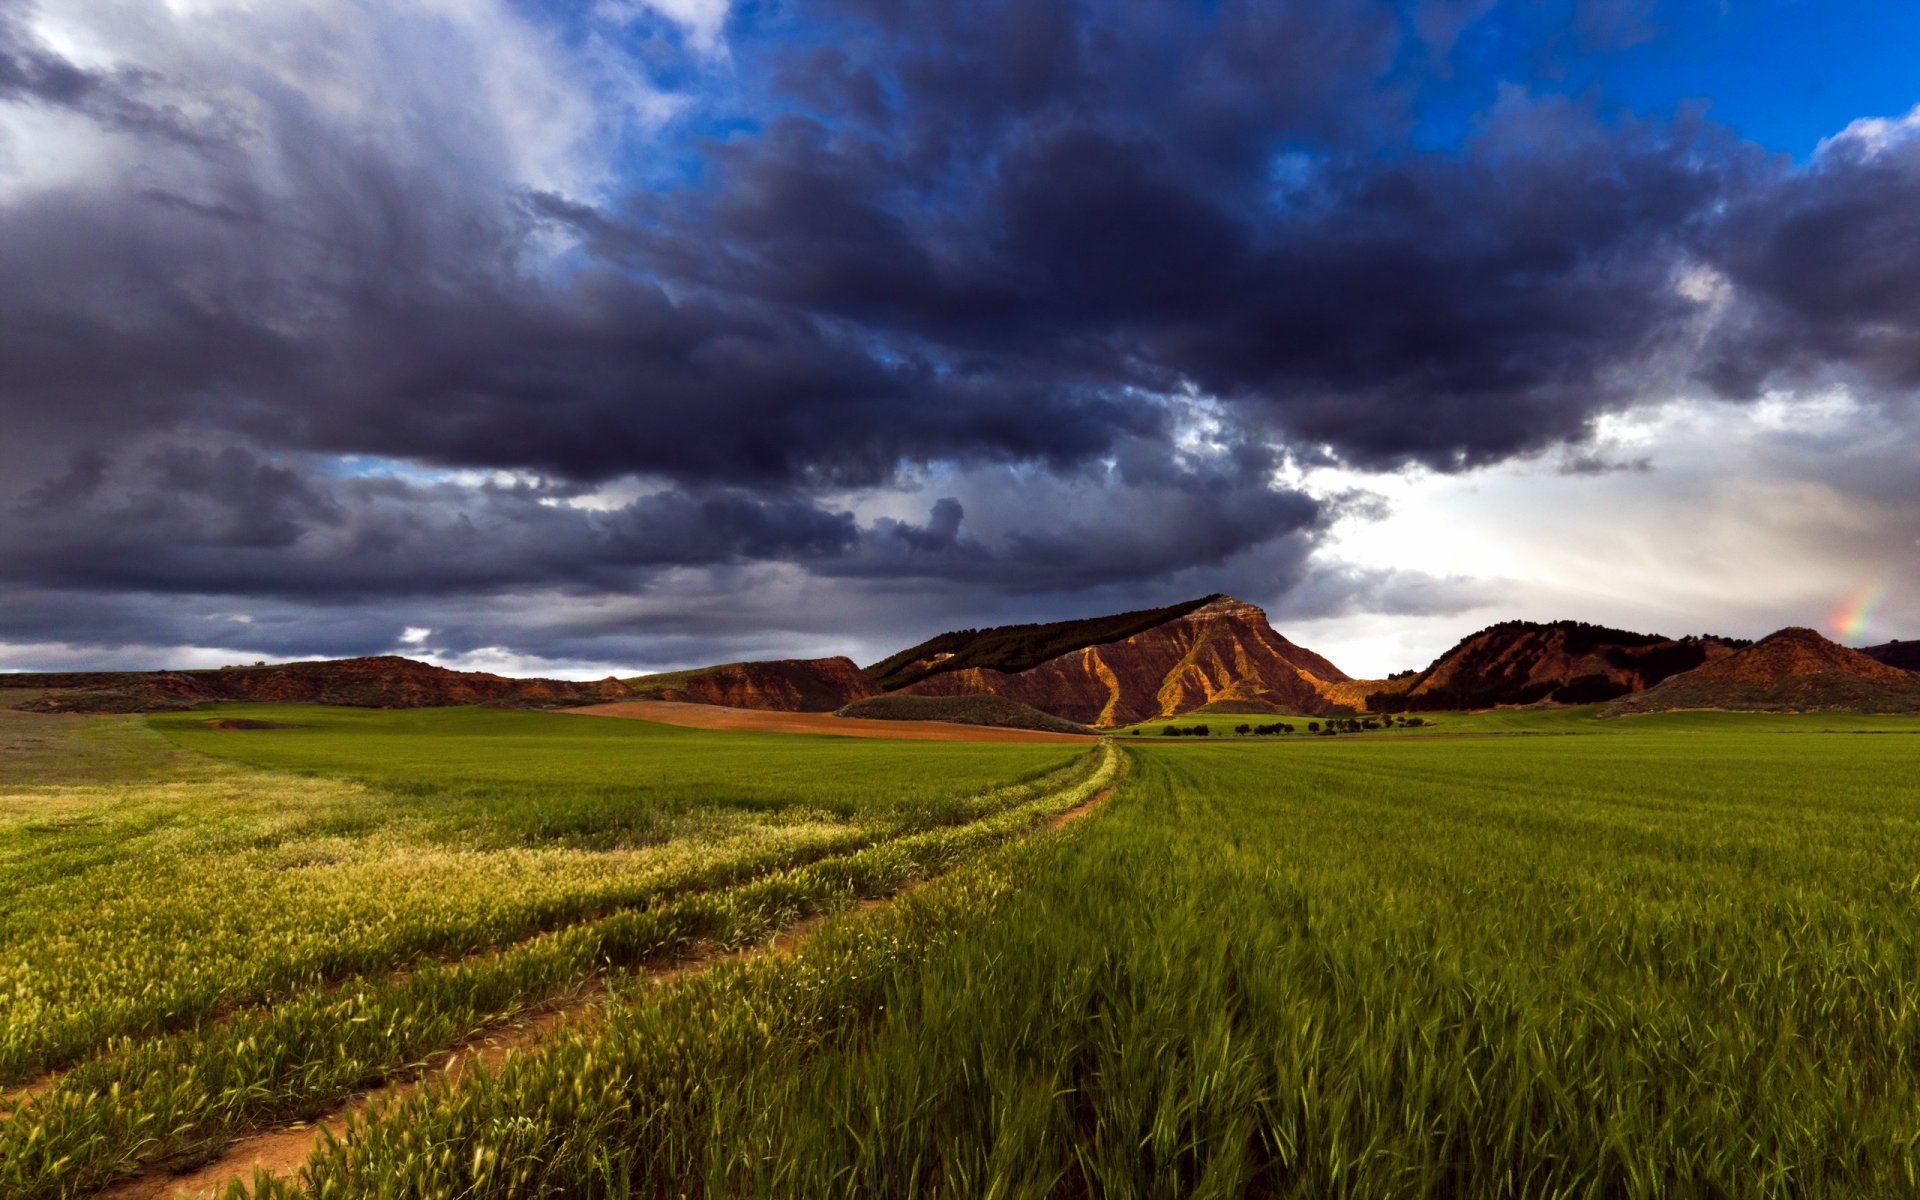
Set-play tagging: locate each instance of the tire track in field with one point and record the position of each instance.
(281, 1151)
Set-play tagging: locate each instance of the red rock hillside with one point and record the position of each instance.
(1215, 651)
(1794, 670)
(1527, 662)
(782, 685)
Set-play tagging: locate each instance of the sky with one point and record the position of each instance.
(586, 336)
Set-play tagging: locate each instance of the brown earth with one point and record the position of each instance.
(712, 716)
(281, 1151)
(1794, 670)
(1222, 651)
(785, 685)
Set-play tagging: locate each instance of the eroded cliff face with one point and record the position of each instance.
(781, 685)
(1224, 650)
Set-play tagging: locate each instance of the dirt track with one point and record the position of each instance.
(282, 1150)
(712, 716)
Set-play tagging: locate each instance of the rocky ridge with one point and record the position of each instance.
(1564, 662)
(1219, 649)
(1794, 670)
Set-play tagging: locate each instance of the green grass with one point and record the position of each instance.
(1677, 961)
(1661, 957)
(510, 776)
(1576, 720)
(203, 944)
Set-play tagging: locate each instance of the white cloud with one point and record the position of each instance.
(470, 92)
(1870, 136)
(1750, 518)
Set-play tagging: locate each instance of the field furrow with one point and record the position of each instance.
(181, 1096)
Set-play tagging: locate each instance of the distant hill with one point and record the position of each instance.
(1794, 670)
(1125, 668)
(1560, 662)
(996, 711)
(783, 685)
(1905, 655)
(383, 681)
(389, 681)
(1015, 648)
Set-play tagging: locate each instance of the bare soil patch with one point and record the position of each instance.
(713, 716)
(245, 723)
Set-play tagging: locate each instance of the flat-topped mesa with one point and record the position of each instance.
(1794, 670)
(1128, 668)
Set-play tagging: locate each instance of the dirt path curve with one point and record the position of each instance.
(281, 1151)
(713, 716)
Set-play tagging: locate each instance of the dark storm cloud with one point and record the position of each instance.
(1184, 225)
(1823, 264)
(1023, 250)
(185, 519)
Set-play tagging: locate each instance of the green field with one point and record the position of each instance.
(1659, 957)
(1582, 719)
(239, 939)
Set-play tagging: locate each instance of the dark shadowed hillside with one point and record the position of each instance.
(1563, 662)
(995, 711)
(1905, 655)
(783, 685)
(382, 681)
(1794, 670)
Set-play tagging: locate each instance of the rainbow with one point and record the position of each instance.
(1851, 619)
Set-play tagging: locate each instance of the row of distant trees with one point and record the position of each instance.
(1328, 728)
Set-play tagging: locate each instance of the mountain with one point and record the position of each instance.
(1905, 655)
(1124, 668)
(1011, 649)
(1562, 662)
(1794, 670)
(784, 685)
(384, 681)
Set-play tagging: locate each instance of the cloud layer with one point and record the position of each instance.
(1010, 309)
